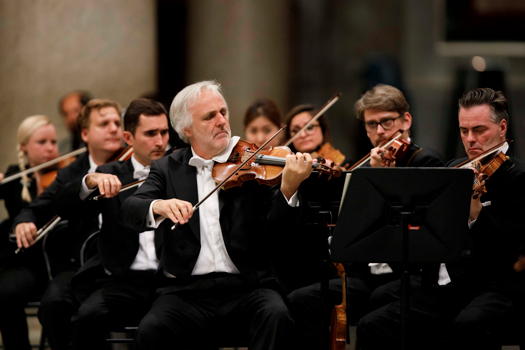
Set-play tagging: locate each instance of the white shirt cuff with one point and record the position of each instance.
(293, 201)
(84, 190)
(150, 220)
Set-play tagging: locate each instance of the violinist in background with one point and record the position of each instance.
(101, 130)
(261, 120)
(303, 261)
(23, 277)
(384, 111)
(315, 139)
(70, 106)
(468, 303)
(214, 264)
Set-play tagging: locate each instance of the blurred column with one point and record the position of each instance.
(243, 44)
(48, 48)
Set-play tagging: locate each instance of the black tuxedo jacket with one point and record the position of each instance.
(496, 238)
(63, 248)
(247, 217)
(117, 244)
(11, 193)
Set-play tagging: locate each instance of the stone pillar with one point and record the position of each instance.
(243, 44)
(51, 47)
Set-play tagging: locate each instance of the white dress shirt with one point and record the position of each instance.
(146, 258)
(213, 256)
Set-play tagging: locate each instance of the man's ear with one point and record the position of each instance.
(503, 128)
(187, 132)
(84, 135)
(407, 119)
(128, 138)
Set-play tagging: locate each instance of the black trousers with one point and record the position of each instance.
(121, 302)
(18, 284)
(439, 318)
(311, 307)
(195, 316)
(57, 306)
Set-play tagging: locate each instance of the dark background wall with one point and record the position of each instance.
(294, 51)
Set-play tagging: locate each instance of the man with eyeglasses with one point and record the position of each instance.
(384, 111)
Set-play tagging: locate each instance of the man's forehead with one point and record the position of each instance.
(478, 114)
(152, 121)
(371, 113)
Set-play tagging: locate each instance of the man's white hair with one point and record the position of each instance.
(180, 117)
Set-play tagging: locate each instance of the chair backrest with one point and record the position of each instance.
(89, 247)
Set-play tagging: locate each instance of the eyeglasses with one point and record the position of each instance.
(386, 123)
(309, 129)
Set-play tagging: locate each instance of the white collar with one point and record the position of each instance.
(139, 171)
(224, 155)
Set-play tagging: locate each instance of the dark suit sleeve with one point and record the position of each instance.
(68, 202)
(136, 207)
(498, 233)
(43, 208)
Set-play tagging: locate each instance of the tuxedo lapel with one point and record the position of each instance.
(184, 181)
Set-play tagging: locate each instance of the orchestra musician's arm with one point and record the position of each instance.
(151, 194)
(43, 208)
(137, 206)
(499, 213)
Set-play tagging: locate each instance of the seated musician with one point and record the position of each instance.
(261, 120)
(101, 131)
(126, 259)
(383, 110)
(468, 301)
(315, 138)
(23, 277)
(215, 262)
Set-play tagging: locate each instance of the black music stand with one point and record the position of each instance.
(405, 215)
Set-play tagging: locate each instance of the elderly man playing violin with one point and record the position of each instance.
(467, 303)
(102, 132)
(215, 262)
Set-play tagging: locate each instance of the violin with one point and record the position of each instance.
(266, 167)
(395, 150)
(338, 322)
(391, 153)
(485, 171)
(327, 151)
(46, 176)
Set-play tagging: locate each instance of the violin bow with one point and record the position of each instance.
(43, 230)
(499, 147)
(318, 115)
(43, 165)
(126, 187)
(239, 167)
